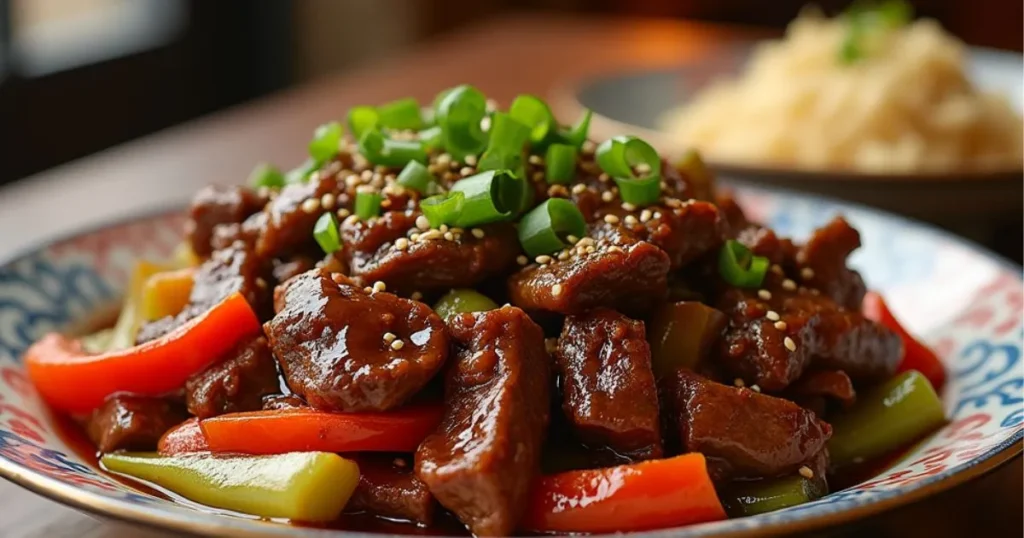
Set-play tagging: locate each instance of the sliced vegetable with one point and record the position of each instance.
(739, 267)
(916, 356)
(634, 165)
(166, 293)
(367, 205)
(491, 196)
(266, 175)
(761, 496)
(505, 147)
(302, 172)
(682, 334)
(311, 486)
(184, 438)
(459, 113)
(415, 176)
(463, 300)
(560, 163)
(401, 115)
(132, 310)
(577, 134)
(431, 137)
(647, 495)
(534, 113)
(298, 430)
(362, 119)
(443, 208)
(326, 142)
(379, 149)
(326, 230)
(546, 227)
(71, 380)
(890, 416)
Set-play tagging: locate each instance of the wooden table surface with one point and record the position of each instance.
(503, 58)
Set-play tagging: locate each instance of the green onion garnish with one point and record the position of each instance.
(368, 204)
(577, 135)
(739, 267)
(544, 228)
(490, 196)
(415, 176)
(401, 115)
(619, 156)
(326, 233)
(561, 163)
(535, 114)
(362, 119)
(326, 141)
(505, 149)
(266, 175)
(301, 173)
(459, 114)
(379, 149)
(864, 18)
(443, 208)
(431, 137)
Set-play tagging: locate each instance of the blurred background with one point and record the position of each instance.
(79, 76)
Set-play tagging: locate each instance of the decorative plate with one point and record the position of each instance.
(965, 302)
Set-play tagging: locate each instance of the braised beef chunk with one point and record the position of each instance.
(684, 230)
(742, 433)
(132, 422)
(237, 383)
(814, 387)
(385, 250)
(285, 269)
(764, 242)
(825, 254)
(609, 394)
(289, 222)
(844, 340)
(389, 488)
(218, 205)
(485, 453)
(342, 348)
(632, 278)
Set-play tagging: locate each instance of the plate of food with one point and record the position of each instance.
(459, 319)
(869, 106)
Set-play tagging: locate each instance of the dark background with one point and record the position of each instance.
(78, 76)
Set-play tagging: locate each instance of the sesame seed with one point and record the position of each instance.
(643, 168)
(674, 202)
(414, 237)
(477, 233)
(538, 177)
(385, 202)
(522, 260)
(401, 243)
(578, 188)
(631, 220)
(607, 196)
(807, 273)
(350, 220)
(311, 205)
(603, 178)
(379, 286)
(352, 180)
(542, 259)
(789, 343)
(611, 219)
(314, 177)
(645, 215)
(558, 191)
(366, 175)
(563, 255)
(781, 325)
(449, 236)
(443, 228)
(615, 248)
(422, 223)
(389, 337)
(366, 188)
(764, 294)
(657, 215)
(572, 239)
(327, 201)
(260, 282)
(588, 146)
(586, 242)
(590, 250)
(343, 213)
(556, 290)
(772, 315)
(397, 344)
(755, 388)
(430, 234)
(467, 171)
(416, 296)
(738, 382)
(777, 269)
(535, 159)
(789, 284)
(806, 472)
(443, 159)
(628, 206)
(368, 289)
(471, 160)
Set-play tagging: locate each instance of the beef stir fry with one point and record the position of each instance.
(481, 314)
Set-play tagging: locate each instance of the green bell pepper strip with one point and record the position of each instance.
(758, 497)
(301, 486)
(463, 300)
(884, 419)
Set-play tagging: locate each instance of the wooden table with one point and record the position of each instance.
(502, 58)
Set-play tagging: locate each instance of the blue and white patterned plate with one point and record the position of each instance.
(965, 302)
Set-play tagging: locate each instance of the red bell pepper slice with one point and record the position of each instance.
(183, 438)
(652, 494)
(278, 431)
(916, 356)
(69, 379)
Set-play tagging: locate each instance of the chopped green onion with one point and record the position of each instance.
(544, 228)
(443, 208)
(459, 114)
(415, 176)
(368, 204)
(326, 233)
(619, 156)
(301, 173)
(739, 267)
(535, 114)
(266, 175)
(577, 135)
(379, 149)
(431, 137)
(362, 119)
(401, 115)
(561, 163)
(462, 300)
(865, 18)
(326, 141)
(490, 196)
(505, 149)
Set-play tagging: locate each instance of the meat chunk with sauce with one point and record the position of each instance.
(825, 255)
(388, 487)
(238, 382)
(213, 206)
(609, 394)
(684, 230)
(632, 277)
(289, 220)
(132, 422)
(482, 458)
(344, 349)
(816, 388)
(742, 433)
(381, 250)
